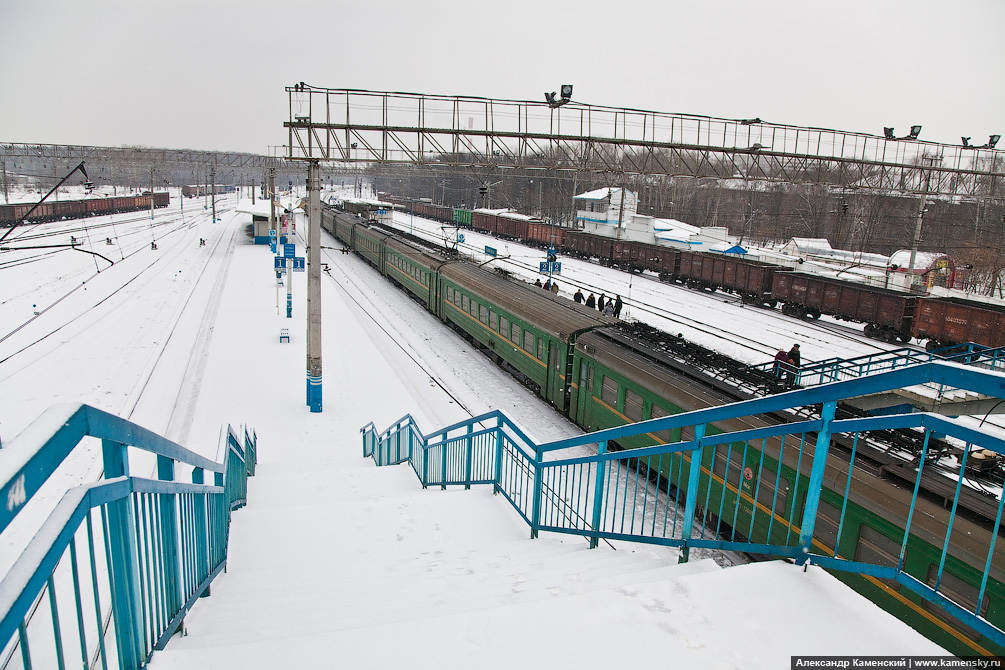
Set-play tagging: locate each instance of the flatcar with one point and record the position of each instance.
(585, 367)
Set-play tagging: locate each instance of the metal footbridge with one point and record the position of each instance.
(719, 488)
(927, 397)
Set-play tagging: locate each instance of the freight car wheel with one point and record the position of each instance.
(814, 313)
(800, 311)
(906, 339)
(932, 345)
(772, 303)
(870, 330)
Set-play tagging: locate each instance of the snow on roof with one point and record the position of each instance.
(923, 259)
(817, 243)
(260, 208)
(599, 194)
(365, 201)
(675, 226)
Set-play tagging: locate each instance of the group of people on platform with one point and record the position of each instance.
(603, 303)
(787, 364)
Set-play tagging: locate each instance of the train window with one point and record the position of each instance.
(766, 491)
(504, 326)
(483, 314)
(540, 349)
(589, 378)
(474, 309)
(464, 302)
(664, 435)
(735, 467)
(877, 549)
(609, 391)
(633, 405)
(960, 592)
(826, 527)
(528, 341)
(493, 321)
(515, 334)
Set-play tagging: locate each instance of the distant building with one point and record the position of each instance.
(935, 269)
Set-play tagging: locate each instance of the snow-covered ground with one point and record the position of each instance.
(334, 561)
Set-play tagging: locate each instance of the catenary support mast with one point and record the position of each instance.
(314, 286)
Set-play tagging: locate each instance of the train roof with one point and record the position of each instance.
(557, 316)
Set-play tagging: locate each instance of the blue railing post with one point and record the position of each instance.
(169, 538)
(123, 563)
(425, 466)
(691, 502)
(535, 516)
(443, 464)
(816, 481)
(497, 480)
(200, 532)
(598, 495)
(467, 458)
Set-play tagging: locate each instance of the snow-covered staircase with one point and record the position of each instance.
(359, 567)
(386, 553)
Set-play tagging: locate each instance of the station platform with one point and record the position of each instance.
(337, 563)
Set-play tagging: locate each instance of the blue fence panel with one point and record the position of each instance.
(779, 489)
(112, 571)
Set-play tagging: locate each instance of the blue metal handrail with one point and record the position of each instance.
(753, 509)
(838, 369)
(151, 547)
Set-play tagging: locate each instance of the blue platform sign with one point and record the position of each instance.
(280, 263)
(460, 238)
(272, 232)
(298, 264)
(289, 250)
(490, 251)
(272, 244)
(554, 268)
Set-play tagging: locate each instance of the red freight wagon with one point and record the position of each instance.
(948, 321)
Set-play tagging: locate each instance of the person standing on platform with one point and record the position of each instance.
(609, 308)
(781, 363)
(591, 302)
(579, 296)
(794, 361)
(538, 282)
(617, 307)
(554, 287)
(601, 301)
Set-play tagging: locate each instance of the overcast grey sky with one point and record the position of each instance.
(210, 74)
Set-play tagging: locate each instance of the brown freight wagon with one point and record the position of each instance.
(162, 199)
(484, 221)
(887, 314)
(545, 234)
(948, 321)
(586, 245)
(511, 227)
(631, 256)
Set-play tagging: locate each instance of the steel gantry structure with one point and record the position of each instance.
(357, 126)
(218, 159)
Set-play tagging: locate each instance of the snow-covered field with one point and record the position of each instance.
(184, 338)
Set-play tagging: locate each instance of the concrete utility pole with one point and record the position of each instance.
(314, 286)
(272, 202)
(917, 231)
(212, 179)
